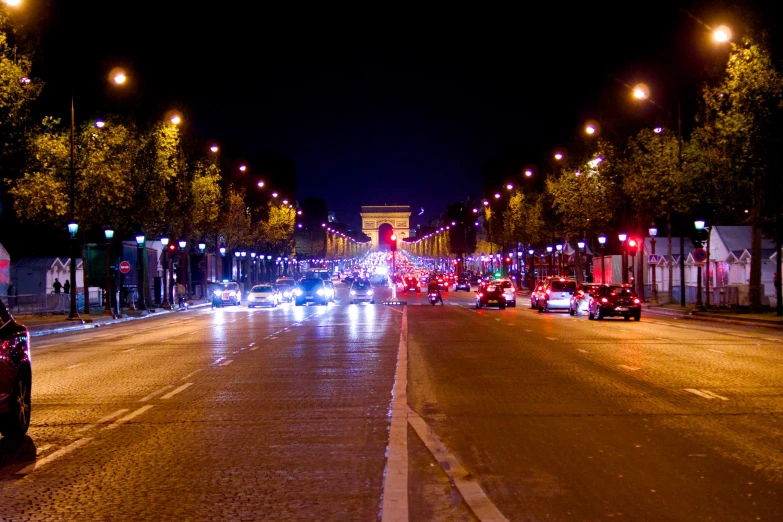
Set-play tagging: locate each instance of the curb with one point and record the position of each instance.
(735, 321)
(54, 328)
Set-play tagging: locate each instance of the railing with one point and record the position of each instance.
(49, 304)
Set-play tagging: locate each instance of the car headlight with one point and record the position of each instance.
(287, 294)
(217, 293)
(298, 291)
(232, 294)
(369, 292)
(353, 292)
(320, 291)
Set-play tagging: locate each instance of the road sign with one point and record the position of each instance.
(653, 259)
(700, 255)
(125, 267)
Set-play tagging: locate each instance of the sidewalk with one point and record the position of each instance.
(39, 325)
(768, 319)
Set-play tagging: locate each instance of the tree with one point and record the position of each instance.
(743, 109)
(277, 229)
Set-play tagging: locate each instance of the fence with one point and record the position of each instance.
(46, 304)
(719, 296)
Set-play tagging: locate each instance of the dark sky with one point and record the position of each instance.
(385, 103)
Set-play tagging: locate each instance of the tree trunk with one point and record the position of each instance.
(186, 257)
(755, 252)
(669, 253)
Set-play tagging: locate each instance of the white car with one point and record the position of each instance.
(509, 291)
(263, 295)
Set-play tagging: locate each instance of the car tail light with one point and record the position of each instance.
(636, 301)
(480, 294)
(548, 291)
(604, 300)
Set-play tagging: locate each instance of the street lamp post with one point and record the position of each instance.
(222, 255)
(602, 242)
(699, 266)
(653, 232)
(182, 260)
(559, 260)
(109, 234)
(140, 254)
(239, 268)
(549, 252)
(623, 257)
(581, 246)
(166, 305)
(202, 248)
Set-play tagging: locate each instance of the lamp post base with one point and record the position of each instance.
(74, 317)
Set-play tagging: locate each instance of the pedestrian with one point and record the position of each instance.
(66, 287)
(181, 294)
(57, 286)
(11, 289)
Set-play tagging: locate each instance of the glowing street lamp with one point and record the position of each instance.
(590, 129)
(12, 3)
(242, 168)
(602, 242)
(623, 237)
(497, 195)
(641, 91)
(528, 173)
(100, 124)
(260, 184)
(509, 186)
(722, 34)
(176, 119)
(558, 156)
(214, 148)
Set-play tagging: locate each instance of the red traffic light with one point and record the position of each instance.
(393, 237)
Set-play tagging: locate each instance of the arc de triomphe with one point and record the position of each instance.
(398, 216)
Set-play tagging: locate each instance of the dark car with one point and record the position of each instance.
(411, 284)
(534, 295)
(443, 283)
(286, 290)
(463, 283)
(311, 290)
(615, 301)
(490, 295)
(15, 376)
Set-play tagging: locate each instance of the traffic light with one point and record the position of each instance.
(393, 242)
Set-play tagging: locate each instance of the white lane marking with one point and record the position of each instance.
(395, 486)
(772, 339)
(104, 420)
(156, 393)
(273, 337)
(128, 350)
(191, 374)
(241, 348)
(706, 394)
(252, 344)
(74, 366)
(217, 361)
(466, 483)
(629, 368)
(528, 330)
(226, 363)
(552, 338)
(54, 456)
(43, 448)
(253, 349)
(717, 351)
(182, 388)
(132, 415)
(580, 350)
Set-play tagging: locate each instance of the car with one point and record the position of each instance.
(329, 287)
(411, 284)
(536, 293)
(16, 376)
(349, 280)
(286, 289)
(615, 301)
(509, 290)
(228, 292)
(310, 290)
(581, 298)
(556, 294)
(491, 295)
(361, 291)
(443, 283)
(463, 283)
(263, 295)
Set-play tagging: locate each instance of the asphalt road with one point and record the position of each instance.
(284, 414)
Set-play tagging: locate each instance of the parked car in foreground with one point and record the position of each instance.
(615, 301)
(16, 376)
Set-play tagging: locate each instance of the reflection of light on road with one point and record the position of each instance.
(298, 312)
(353, 317)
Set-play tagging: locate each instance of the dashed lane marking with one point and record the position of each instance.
(156, 393)
(252, 344)
(552, 338)
(104, 420)
(706, 394)
(182, 388)
(129, 350)
(71, 367)
(580, 350)
(191, 374)
(226, 363)
(629, 368)
(41, 449)
(528, 330)
(54, 456)
(132, 415)
(217, 361)
(717, 351)
(253, 349)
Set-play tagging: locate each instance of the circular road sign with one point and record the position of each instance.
(700, 255)
(125, 267)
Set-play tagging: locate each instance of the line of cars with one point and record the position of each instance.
(596, 300)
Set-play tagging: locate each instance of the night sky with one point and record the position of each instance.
(384, 103)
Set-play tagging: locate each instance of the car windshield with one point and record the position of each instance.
(261, 289)
(230, 286)
(563, 286)
(360, 285)
(309, 284)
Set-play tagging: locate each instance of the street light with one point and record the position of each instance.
(558, 156)
(214, 148)
(242, 168)
(509, 186)
(140, 253)
(532, 268)
(624, 257)
(108, 234)
(166, 305)
(653, 232)
(722, 34)
(699, 224)
(551, 262)
(602, 242)
(559, 259)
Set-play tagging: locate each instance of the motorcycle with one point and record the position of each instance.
(433, 298)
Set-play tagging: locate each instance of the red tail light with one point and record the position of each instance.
(480, 294)
(548, 291)
(604, 300)
(636, 301)
(418, 284)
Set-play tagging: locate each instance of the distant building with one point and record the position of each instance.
(5, 270)
(36, 275)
